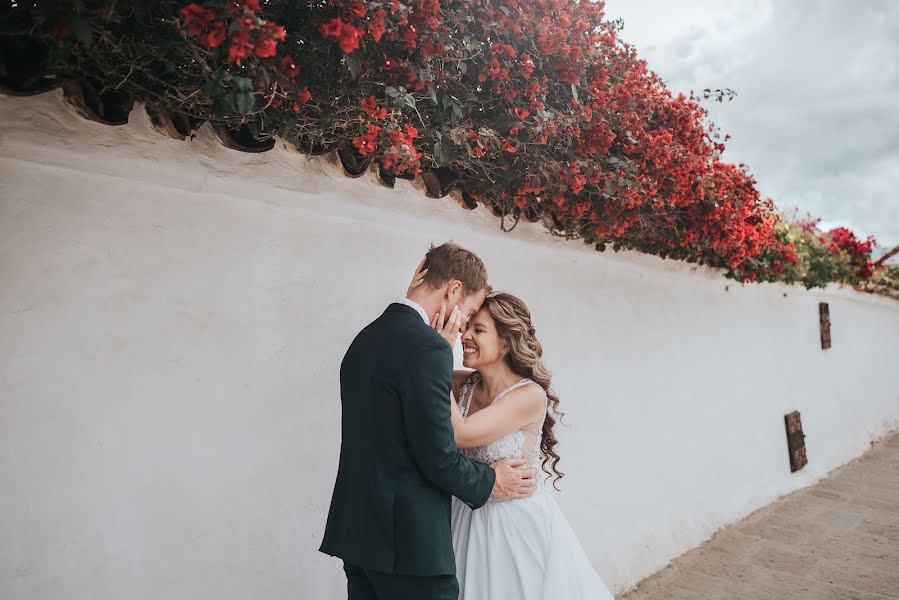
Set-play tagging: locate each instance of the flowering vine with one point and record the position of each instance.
(536, 109)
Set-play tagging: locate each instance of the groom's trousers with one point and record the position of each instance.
(363, 584)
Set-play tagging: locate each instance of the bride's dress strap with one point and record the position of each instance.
(514, 386)
(467, 391)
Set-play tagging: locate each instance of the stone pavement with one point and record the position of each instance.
(836, 540)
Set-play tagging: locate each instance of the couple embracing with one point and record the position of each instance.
(437, 494)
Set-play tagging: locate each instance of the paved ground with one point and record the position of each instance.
(837, 540)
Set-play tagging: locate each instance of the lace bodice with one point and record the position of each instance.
(524, 443)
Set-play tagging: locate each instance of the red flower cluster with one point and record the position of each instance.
(348, 28)
(249, 33)
(376, 27)
(289, 67)
(843, 240)
(348, 35)
(371, 108)
(201, 23)
(397, 150)
(399, 154)
(367, 143)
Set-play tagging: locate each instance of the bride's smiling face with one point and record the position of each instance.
(481, 344)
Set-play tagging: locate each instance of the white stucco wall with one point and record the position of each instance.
(173, 315)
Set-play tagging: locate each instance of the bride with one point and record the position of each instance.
(523, 549)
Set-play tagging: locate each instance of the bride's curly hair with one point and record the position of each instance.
(525, 357)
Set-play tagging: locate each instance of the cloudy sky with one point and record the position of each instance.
(816, 116)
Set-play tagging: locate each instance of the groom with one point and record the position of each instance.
(399, 465)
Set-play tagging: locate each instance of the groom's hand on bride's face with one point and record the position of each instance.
(511, 480)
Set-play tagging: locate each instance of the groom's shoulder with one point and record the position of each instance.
(395, 338)
(403, 317)
(396, 324)
(404, 322)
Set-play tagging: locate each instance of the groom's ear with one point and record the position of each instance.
(454, 288)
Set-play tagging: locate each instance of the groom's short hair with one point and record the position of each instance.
(449, 261)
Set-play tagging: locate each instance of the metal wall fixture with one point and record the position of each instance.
(824, 320)
(795, 441)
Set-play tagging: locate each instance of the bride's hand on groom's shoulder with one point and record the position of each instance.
(511, 480)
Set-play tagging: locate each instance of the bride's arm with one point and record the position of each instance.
(514, 411)
(459, 378)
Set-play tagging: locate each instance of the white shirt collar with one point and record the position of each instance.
(418, 308)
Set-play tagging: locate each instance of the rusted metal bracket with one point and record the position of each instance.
(795, 441)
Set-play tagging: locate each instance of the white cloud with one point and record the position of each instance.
(817, 86)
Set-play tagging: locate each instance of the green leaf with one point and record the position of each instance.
(574, 93)
(440, 157)
(224, 104)
(353, 64)
(245, 102)
(410, 100)
(463, 67)
(391, 91)
(244, 84)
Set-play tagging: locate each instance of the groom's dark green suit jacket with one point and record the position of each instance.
(399, 465)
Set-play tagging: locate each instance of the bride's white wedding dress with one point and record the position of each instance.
(518, 549)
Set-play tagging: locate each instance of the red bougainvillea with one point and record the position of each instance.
(843, 241)
(541, 110)
(536, 109)
(249, 33)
